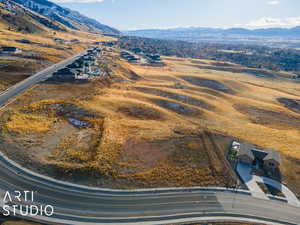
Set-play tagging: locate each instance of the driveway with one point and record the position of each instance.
(289, 195)
(250, 180)
(244, 171)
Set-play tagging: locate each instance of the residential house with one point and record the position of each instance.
(83, 76)
(154, 58)
(268, 159)
(65, 74)
(245, 153)
(272, 159)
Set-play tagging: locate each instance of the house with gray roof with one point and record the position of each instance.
(272, 159)
(245, 153)
(65, 74)
(268, 159)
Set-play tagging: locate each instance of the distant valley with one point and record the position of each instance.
(274, 37)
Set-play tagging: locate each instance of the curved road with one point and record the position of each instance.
(74, 204)
(78, 205)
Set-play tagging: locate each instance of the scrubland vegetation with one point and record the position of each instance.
(153, 126)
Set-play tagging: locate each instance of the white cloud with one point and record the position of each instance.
(76, 1)
(269, 22)
(273, 2)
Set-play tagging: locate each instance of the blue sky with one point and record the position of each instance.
(142, 14)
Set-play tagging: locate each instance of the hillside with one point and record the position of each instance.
(41, 41)
(19, 19)
(71, 19)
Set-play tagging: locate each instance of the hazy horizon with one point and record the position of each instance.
(195, 27)
(164, 14)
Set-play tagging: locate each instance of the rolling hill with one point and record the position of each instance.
(17, 18)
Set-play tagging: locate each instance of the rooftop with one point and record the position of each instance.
(251, 151)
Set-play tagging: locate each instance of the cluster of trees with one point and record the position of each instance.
(247, 55)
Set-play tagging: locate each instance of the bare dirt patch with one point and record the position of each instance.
(142, 112)
(205, 91)
(291, 104)
(213, 84)
(227, 68)
(10, 79)
(273, 119)
(177, 97)
(194, 160)
(177, 107)
(48, 132)
(139, 155)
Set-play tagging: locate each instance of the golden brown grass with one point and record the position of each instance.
(51, 53)
(279, 133)
(44, 51)
(21, 123)
(141, 143)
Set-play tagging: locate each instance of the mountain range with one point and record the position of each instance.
(198, 34)
(32, 13)
(233, 31)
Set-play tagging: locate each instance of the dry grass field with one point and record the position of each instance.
(41, 50)
(153, 126)
(44, 46)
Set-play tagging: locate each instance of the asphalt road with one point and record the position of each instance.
(74, 204)
(20, 87)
